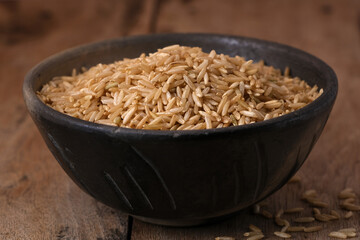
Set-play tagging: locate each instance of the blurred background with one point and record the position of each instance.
(41, 28)
(37, 199)
(31, 30)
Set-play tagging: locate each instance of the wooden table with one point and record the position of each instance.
(37, 199)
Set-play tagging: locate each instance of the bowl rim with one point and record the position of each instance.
(37, 107)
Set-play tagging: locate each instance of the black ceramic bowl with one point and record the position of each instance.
(182, 178)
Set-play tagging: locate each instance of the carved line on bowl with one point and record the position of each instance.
(70, 164)
(157, 173)
(118, 191)
(142, 193)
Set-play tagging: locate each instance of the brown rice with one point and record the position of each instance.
(178, 88)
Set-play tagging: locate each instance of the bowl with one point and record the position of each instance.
(182, 178)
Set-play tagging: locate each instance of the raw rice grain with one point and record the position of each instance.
(178, 81)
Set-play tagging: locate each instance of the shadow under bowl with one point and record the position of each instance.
(182, 178)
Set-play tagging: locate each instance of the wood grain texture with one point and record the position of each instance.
(38, 200)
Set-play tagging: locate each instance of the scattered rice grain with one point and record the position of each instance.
(254, 228)
(294, 179)
(266, 214)
(348, 214)
(339, 235)
(323, 217)
(294, 210)
(282, 234)
(350, 206)
(313, 229)
(256, 208)
(256, 237)
(317, 203)
(250, 234)
(346, 194)
(335, 214)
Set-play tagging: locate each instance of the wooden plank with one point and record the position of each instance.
(37, 199)
(327, 29)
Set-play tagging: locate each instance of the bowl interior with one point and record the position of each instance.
(280, 56)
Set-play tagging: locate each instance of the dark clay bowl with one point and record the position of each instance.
(182, 178)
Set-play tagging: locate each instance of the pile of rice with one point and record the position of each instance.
(178, 88)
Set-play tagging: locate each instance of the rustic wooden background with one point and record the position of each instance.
(37, 199)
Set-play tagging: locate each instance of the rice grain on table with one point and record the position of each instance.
(350, 206)
(285, 228)
(178, 88)
(316, 211)
(256, 208)
(346, 193)
(339, 235)
(318, 203)
(335, 214)
(324, 217)
(313, 229)
(348, 214)
(294, 210)
(282, 234)
(350, 232)
(309, 193)
(266, 214)
(256, 237)
(281, 222)
(250, 234)
(254, 228)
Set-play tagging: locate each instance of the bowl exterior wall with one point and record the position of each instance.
(182, 178)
